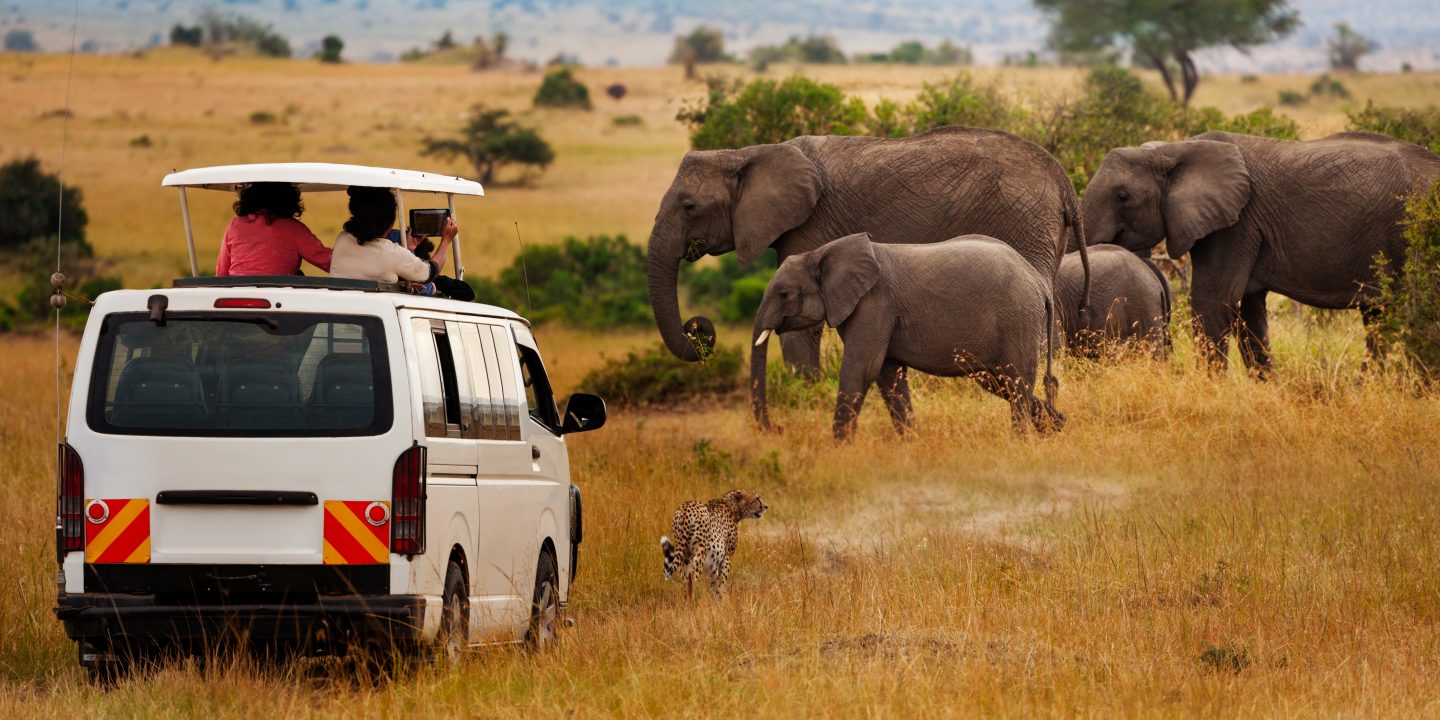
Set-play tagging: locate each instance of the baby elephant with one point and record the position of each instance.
(1129, 299)
(969, 306)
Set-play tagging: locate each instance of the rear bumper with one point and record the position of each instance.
(112, 621)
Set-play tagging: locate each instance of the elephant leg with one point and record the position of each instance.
(801, 350)
(1214, 319)
(1007, 387)
(895, 388)
(1254, 334)
(858, 371)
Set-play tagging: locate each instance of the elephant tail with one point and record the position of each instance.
(1052, 386)
(1076, 221)
(1165, 304)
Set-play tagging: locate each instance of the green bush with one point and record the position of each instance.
(656, 377)
(598, 282)
(84, 279)
(627, 121)
(1326, 86)
(28, 197)
(960, 101)
(1292, 98)
(491, 140)
(1411, 301)
(1419, 126)
(765, 111)
(732, 292)
(263, 117)
(560, 89)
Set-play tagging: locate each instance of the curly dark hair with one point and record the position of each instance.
(270, 200)
(372, 212)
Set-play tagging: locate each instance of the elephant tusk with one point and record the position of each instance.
(764, 335)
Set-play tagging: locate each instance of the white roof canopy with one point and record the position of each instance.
(321, 177)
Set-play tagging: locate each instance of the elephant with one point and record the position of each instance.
(798, 195)
(1129, 299)
(967, 307)
(1302, 219)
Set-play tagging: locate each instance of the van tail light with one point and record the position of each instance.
(70, 504)
(243, 303)
(407, 503)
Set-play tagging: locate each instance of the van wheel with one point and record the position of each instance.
(454, 635)
(545, 610)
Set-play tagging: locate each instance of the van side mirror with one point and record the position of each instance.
(583, 412)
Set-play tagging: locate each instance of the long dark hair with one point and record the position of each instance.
(270, 200)
(372, 212)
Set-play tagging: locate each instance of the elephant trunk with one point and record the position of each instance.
(663, 271)
(1099, 223)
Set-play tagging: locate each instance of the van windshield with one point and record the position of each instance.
(241, 374)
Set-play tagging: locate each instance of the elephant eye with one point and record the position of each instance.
(688, 205)
(1122, 195)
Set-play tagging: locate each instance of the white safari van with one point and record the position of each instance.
(312, 465)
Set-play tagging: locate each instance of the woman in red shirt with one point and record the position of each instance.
(266, 236)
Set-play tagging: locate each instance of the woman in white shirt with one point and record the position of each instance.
(363, 252)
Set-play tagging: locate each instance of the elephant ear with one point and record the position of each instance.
(1209, 186)
(846, 269)
(778, 189)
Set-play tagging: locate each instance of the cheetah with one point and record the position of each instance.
(708, 533)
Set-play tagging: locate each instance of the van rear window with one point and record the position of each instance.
(241, 374)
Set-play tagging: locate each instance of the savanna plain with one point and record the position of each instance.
(1193, 544)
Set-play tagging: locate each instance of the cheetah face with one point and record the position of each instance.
(750, 505)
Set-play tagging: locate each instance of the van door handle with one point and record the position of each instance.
(534, 452)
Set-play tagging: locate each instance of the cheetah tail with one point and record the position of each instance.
(668, 550)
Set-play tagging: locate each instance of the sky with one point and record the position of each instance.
(641, 32)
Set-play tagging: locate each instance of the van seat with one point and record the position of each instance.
(344, 394)
(259, 394)
(158, 392)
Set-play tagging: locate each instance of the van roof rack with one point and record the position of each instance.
(291, 281)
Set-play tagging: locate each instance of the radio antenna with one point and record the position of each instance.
(529, 309)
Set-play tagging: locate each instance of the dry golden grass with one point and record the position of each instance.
(1191, 545)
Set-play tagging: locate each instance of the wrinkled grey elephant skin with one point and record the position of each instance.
(1303, 219)
(799, 195)
(1129, 302)
(970, 306)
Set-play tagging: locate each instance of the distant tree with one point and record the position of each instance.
(910, 52)
(232, 30)
(703, 45)
(491, 140)
(491, 53)
(1160, 31)
(446, 41)
(616, 90)
(819, 50)
(20, 41)
(763, 56)
(330, 49)
(560, 89)
(948, 53)
(1346, 48)
(187, 36)
(28, 197)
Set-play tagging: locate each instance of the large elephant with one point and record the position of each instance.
(1303, 219)
(798, 195)
(967, 307)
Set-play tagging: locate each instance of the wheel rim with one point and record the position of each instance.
(546, 615)
(454, 629)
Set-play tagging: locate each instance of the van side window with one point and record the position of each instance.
(505, 368)
(439, 387)
(538, 397)
(482, 417)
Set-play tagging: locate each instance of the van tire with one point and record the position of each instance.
(545, 607)
(454, 636)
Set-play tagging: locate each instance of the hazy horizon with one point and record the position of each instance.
(641, 32)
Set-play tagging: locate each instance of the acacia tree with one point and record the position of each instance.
(491, 140)
(1160, 31)
(1346, 48)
